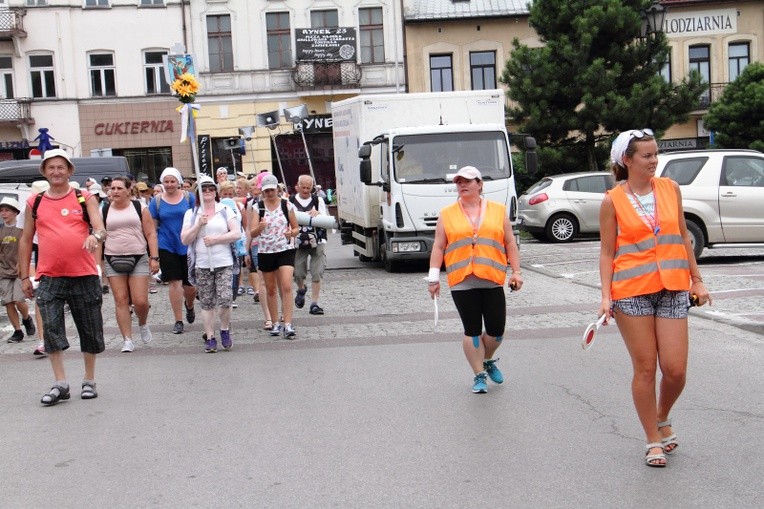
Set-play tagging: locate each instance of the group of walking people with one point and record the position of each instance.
(64, 241)
(647, 268)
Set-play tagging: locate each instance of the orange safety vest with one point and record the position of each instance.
(646, 262)
(485, 255)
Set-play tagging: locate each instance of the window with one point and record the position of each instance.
(153, 69)
(102, 74)
(441, 73)
(43, 78)
(6, 77)
(743, 172)
(324, 19)
(96, 3)
(483, 70)
(152, 2)
(372, 35)
(279, 40)
(739, 59)
(220, 43)
(31, 3)
(684, 171)
(666, 69)
(591, 184)
(700, 60)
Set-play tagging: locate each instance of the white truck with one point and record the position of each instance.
(395, 156)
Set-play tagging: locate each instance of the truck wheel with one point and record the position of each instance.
(561, 228)
(696, 237)
(390, 265)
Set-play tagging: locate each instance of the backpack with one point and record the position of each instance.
(105, 210)
(309, 235)
(80, 199)
(284, 208)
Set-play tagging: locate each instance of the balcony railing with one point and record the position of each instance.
(11, 23)
(713, 94)
(327, 74)
(16, 111)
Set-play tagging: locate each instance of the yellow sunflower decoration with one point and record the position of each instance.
(186, 87)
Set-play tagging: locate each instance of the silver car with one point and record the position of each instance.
(559, 207)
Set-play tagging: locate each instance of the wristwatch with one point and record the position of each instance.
(98, 237)
(154, 258)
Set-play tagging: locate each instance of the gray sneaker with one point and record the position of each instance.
(289, 331)
(276, 329)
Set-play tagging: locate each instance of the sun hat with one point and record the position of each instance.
(40, 186)
(12, 203)
(469, 173)
(56, 152)
(206, 180)
(97, 189)
(269, 182)
(141, 186)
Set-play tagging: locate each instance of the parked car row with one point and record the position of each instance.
(722, 196)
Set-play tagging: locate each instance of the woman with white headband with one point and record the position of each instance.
(648, 273)
(168, 210)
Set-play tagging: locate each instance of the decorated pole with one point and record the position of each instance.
(186, 87)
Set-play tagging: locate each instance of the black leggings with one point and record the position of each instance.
(480, 304)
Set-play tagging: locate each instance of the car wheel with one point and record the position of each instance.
(697, 238)
(561, 228)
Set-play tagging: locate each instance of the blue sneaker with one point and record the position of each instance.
(480, 387)
(210, 345)
(494, 373)
(225, 339)
(276, 330)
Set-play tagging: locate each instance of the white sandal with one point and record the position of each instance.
(669, 443)
(652, 459)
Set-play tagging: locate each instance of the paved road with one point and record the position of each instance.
(370, 407)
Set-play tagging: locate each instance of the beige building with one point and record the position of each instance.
(717, 38)
(463, 45)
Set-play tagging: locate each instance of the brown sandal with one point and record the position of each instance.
(267, 325)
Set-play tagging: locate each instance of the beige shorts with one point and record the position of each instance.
(10, 291)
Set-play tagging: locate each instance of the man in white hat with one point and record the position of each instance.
(66, 269)
(11, 295)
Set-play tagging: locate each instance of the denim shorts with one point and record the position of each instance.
(663, 304)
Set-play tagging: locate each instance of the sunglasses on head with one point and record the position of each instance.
(641, 133)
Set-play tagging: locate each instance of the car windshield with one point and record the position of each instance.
(433, 158)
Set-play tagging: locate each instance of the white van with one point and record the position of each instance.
(28, 170)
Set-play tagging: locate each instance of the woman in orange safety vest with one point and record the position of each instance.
(474, 238)
(648, 271)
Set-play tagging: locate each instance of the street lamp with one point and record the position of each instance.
(652, 19)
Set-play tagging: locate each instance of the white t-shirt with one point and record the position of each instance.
(217, 255)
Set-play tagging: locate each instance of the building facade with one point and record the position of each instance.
(718, 39)
(262, 57)
(91, 73)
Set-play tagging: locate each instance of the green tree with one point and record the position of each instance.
(592, 77)
(737, 118)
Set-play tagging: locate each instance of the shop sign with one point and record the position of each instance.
(692, 24)
(136, 127)
(10, 145)
(317, 124)
(680, 144)
(205, 156)
(325, 44)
